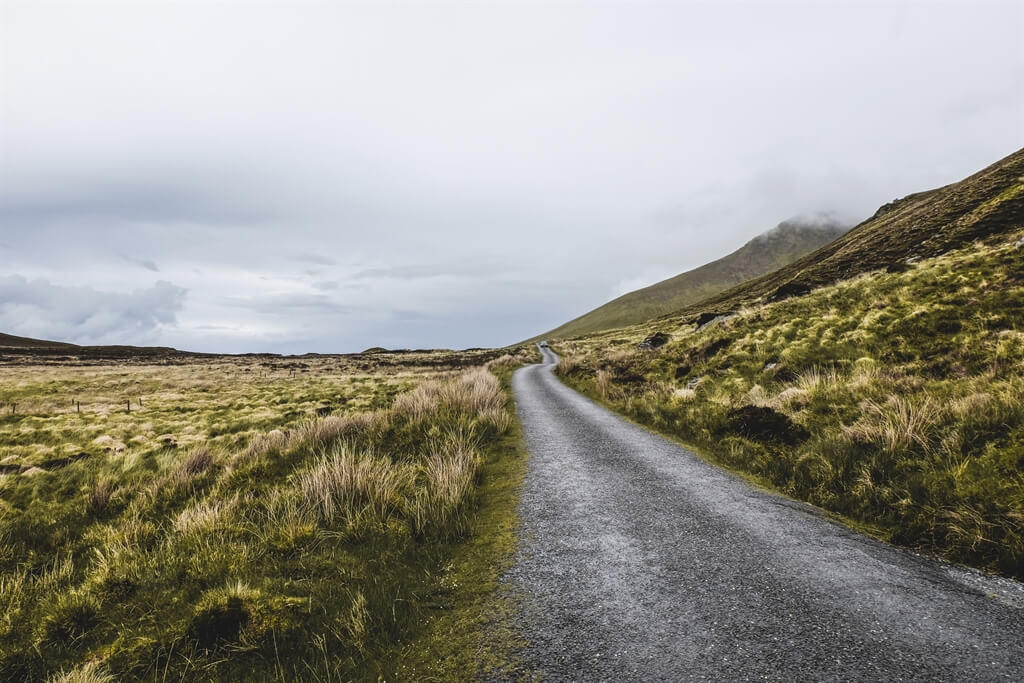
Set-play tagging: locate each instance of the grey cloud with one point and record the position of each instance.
(148, 264)
(86, 202)
(42, 309)
(290, 304)
(411, 316)
(423, 271)
(318, 259)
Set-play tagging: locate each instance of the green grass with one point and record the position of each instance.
(469, 630)
(270, 543)
(893, 399)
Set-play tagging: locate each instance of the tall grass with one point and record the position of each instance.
(899, 424)
(298, 549)
(343, 484)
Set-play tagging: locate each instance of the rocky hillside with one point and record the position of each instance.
(765, 253)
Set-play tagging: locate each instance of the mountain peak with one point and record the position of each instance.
(800, 225)
(783, 244)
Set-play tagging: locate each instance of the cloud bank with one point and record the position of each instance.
(40, 309)
(334, 176)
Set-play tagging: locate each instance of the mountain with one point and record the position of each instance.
(9, 341)
(25, 347)
(983, 206)
(767, 252)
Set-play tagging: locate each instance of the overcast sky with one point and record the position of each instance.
(293, 177)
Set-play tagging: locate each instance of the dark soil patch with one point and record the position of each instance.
(766, 425)
(789, 290)
(219, 625)
(785, 375)
(712, 349)
(57, 463)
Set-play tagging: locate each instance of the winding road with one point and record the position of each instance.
(639, 560)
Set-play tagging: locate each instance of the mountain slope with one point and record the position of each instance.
(765, 253)
(9, 341)
(983, 206)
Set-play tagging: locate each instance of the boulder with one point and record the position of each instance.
(709, 317)
(655, 341)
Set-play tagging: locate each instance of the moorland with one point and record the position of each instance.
(166, 515)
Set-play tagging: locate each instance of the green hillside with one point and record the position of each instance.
(765, 253)
(983, 206)
(891, 393)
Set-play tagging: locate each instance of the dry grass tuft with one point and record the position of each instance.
(816, 379)
(449, 479)
(322, 432)
(419, 403)
(506, 362)
(683, 394)
(206, 516)
(197, 462)
(343, 483)
(99, 498)
(273, 441)
(90, 672)
(566, 365)
(899, 424)
(473, 393)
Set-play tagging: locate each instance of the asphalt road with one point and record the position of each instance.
(639, 560)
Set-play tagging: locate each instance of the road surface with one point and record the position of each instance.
(639, 560)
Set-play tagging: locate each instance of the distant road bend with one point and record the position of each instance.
(639, 560)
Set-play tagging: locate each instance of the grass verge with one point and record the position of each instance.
(469, 631)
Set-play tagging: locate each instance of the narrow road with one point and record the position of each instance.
(639, 560)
